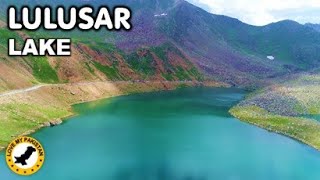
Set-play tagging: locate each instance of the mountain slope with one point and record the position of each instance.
(93, 61)
(194, 42)
(289, 107)
(314, 26)
(293, 45)
(225, 48)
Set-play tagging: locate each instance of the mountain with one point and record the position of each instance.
(93, 61)
(314, 26)
(171, 40)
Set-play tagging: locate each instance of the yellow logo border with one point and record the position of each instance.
(10, 161)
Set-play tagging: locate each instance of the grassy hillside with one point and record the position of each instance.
(236, 52)
(292, 96)
(191, 30)
(93, 60)
(302, 129)
(289, 42)
(219, 47)
(286, 108)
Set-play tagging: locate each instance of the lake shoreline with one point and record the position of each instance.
(72, 113)
(265, 120)
(133, 132)
(306, 143)
(145, 88)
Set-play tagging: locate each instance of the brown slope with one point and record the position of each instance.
(94, 64)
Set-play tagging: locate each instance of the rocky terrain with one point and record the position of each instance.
(284, 106)
(213, 46)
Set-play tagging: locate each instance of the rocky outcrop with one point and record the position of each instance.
(53, 123)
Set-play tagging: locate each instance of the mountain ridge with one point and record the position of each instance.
(217, 46)
(314, 26)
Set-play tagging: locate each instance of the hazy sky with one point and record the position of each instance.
(262, 12)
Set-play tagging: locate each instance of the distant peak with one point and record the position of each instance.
(285, 23)
(288, 22)
(313, 26)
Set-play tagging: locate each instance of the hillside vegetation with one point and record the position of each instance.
(287, 108)
(93, 61)
(214, 46)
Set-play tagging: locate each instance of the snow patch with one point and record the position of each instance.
(159, 15)
(271, 57)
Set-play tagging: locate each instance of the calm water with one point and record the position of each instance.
(180, 135)
(315, 117)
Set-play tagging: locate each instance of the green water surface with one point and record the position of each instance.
(180, 135)
(315, 117)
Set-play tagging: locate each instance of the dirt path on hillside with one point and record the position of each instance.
(33, 88)
(18, 91)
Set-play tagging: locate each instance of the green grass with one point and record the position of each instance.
(20, 118)
(302, 129)
(182, 86)
(195, 73)
(42, 70)
(142, 65)
(110, 71)
(182, 74)
(161, 52)
(89, 68)
(168, 77)
(5, 35)
(99, 46)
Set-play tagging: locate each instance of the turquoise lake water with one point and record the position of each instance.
(179, 135)
(315, 117)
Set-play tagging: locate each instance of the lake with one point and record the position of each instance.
(315, 117)
(185, 134)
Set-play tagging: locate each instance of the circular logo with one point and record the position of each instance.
(25, 156)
